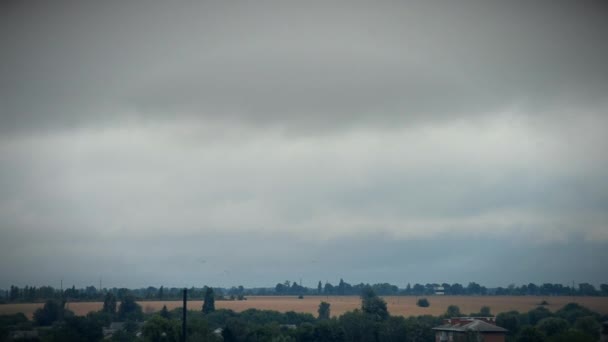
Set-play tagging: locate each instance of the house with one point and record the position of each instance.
(113, 328)
(482, 329)
(117, 326)
(27, 335)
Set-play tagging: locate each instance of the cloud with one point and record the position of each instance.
(381, 65)
(498, 175)
(123, 125)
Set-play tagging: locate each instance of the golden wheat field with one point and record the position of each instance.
(404, 306)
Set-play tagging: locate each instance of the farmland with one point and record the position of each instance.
(397, 305)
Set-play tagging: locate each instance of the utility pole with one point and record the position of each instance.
(184, 312)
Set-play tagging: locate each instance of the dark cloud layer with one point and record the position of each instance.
(313, 66)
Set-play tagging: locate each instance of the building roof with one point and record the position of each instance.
(116, 325)
(472, 325)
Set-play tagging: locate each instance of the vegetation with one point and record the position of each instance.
(573, 322)
(452, 311)
(109, 304)
(209, 303)
(372, 322)
(51, 312)
(90, 293)
(423, 303)
(129, 309)
(324, 311)
(372, 305)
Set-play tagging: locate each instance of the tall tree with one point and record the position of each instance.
(452, 311)
(319, 288)
(129, 309)
(324, 310)
(109, 303)
(209, 304)
(373, 305)
(328, 289)
(164, 312)
(51, 311)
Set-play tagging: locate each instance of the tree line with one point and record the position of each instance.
(91, 293)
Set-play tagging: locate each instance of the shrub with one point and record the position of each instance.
(423, 303)
(453, 311)
(552, 326)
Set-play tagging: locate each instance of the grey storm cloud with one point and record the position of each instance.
(316, 66)
(376, 137)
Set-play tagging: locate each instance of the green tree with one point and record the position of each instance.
(510, 321)
(159, 329)
(319, 288)
(327, 331)
(76, 329)
(209, 303)
(393, 330)
(164, 313)
(373, 305)
(535, 315)
(235, 330)
(588, 325)
(452, 311)
(129, 309)
(324, 311)
(328, 289)
(198, 330)
(572, 335)
(530, 334)
(359, 326)
(485, 312)
(109, 304)
(51, 311)
(572, 311)
(423, 303)
(552, 326)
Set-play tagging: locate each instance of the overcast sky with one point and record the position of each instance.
(229, 143)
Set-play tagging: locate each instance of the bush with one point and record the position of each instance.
(510, 321)
(129, 309)
(588, 325)
(572, 311)
(452, 311)
(530, 334)
(51, 311)
(552, 326)
(535, 315)
(423, 303)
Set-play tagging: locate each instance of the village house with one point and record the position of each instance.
(482, 329)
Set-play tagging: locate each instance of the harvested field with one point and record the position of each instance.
(405, 306)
